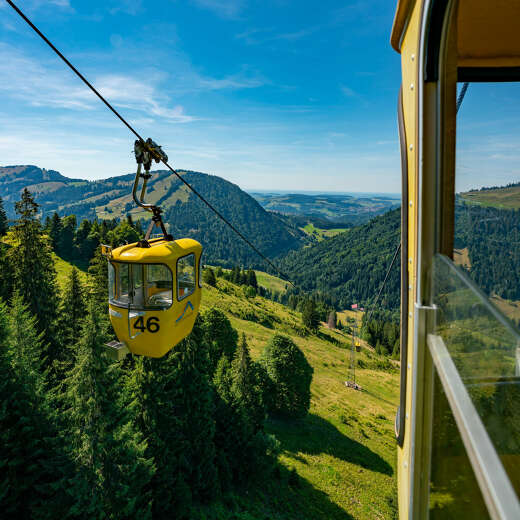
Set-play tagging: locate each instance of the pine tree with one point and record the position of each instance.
(153, 389)
(219, 336)
(310, 317)
(291, 374)
(112, 472)
(34, 276)
(72, 312)
(4, 224)
(209, 277)
(98, 271)
(32, 463)
(244, 390)
(55, 230)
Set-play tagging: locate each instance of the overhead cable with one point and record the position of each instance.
(127, 124)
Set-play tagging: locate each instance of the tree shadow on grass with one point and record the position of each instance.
(283, 496)
(314, 435)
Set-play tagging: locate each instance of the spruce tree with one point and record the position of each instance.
(219, 337)
(34, 276)
(72, 312)
(98, 271)
(291, 374)
(33, 467)
(4, 224)
(244, 389)
(112, 471)
(153, 389)
(209, 277)
(310, 316)
(196, 407)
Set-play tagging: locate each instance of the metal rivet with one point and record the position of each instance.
(407, 416)
(413, 57)
(410, 314)
(411, 203)
(410, 260)
(409, 366)
(409, 287)
(411, 86)
(405, 464)
(411, 147)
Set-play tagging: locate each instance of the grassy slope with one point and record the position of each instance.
(503, 198)
(319, 233)
(344, 451)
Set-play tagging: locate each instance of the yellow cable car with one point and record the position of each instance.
(458, 422)
(155, 285)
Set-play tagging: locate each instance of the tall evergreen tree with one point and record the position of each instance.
(219, 336)
(113, 474)
(245, 392)
(153, 388)
(31, 461)
(72, 312)
(98, 271)
(310, 316)
(34, 276)
(4, 224)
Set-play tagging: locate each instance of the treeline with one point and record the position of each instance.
(84, 437)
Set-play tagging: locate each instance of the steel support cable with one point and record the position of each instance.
(123, 120)
(460, 99)
(384, 281)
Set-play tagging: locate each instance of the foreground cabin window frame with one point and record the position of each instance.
(142, 289)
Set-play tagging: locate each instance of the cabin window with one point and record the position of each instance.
(140, 286)
(185, 276)
(159, 285)
(200, 270)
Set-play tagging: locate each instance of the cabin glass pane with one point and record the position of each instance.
(485, 348)
(185, 276)
(454, 490)
(137, 286)
(123, 288)
(159, 286)
(200, 270)
(111, 282)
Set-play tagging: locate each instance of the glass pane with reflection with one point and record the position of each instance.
(484, 346)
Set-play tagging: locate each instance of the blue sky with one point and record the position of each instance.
(292, 95)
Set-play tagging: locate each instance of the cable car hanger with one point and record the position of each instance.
(145, 153)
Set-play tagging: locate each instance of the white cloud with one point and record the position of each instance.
(223, 8)
(28, 81)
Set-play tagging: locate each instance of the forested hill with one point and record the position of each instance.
(184, 213)
(350, 267)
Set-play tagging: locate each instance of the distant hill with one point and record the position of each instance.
(502, 197)
(349, 267)
(183, 211)
(342, 208)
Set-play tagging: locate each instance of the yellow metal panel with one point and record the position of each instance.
(409, 63)
(488, 33)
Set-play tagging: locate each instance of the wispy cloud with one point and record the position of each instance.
(348, 92)
(131, 7)
(258, 36)
(223, 8)
(30, 82)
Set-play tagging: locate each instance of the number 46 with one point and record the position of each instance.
(152, 324)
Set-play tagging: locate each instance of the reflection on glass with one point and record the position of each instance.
(111, 282)
(158, 286)
(484, 347)
(137, 286)
(454, 490)
(185, 276)
(123, 293)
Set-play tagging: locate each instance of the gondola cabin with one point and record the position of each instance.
(154, 293)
